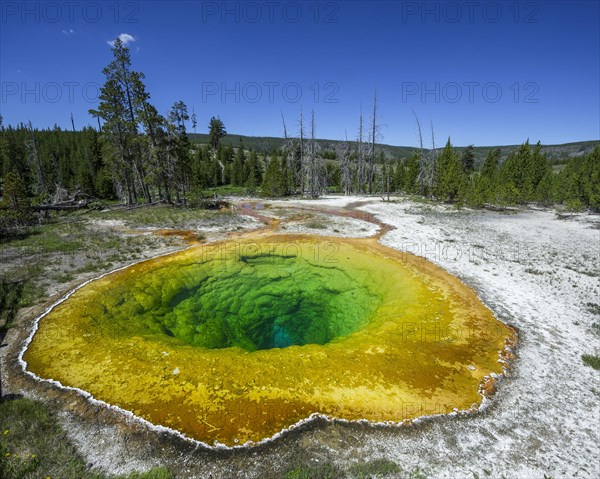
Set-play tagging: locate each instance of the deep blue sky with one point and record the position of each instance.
(543, 58)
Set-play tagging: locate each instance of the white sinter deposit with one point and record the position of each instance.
(541, 275)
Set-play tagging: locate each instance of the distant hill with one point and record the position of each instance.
(556, 154)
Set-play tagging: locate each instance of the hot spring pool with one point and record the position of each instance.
(237, 341)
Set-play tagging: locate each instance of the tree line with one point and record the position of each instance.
(138, 155)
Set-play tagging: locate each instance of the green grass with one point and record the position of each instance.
(71, 245)
(33, 445)
(50, 238)
(158, 216)
(417, 473)
(318, 471)
(591, 361)
(316, 225)
(375, 468)
(229, 190)
(156, 473)
(10, 298)
(534, 271)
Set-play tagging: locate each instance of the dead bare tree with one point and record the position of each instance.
(433, 160)
(360, 155)
(423, 177)
(289, 157)
(374, 136)
(387, 174)
(316, 177)
(373, 139)
(428, 159)
(285, 134)
(344, 153)
(302, 156)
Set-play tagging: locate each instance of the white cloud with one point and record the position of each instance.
(124, 37)
(70, 31)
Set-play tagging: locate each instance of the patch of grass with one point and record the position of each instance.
(316, 225)
(10, 298)
(318, 471)
(375, 468)
(58, 252)
(229, 190)
(591, 360)
(417, 473)
(11, 234)
(593, 308)
(534, 271)
(64, 277)
(158, 216)
(420, 199)
(27, 273)
(50, 238)
(156, 473)
(33, 446)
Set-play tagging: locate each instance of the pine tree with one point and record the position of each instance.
(510, 183)
(398, 183)
(194, 119)
(475, 195)
(273, 183)
(450, 179)
(411, 176)
(544, 192)
(468, 160)
(180, 147)
(238, 170)
(253, 172)
(485, 183)
(216, 131)
(120, 129)
(158, 145)
(91, 162)
(490, 165)
(536, 168)
(200, 169)
(15, 206)
(592, 179)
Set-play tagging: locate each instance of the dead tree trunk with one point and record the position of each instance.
(360, 152)
(373, 139)
(302, 157)
(345, 167)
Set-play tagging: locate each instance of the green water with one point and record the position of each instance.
(252, 302)
(235, 341)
